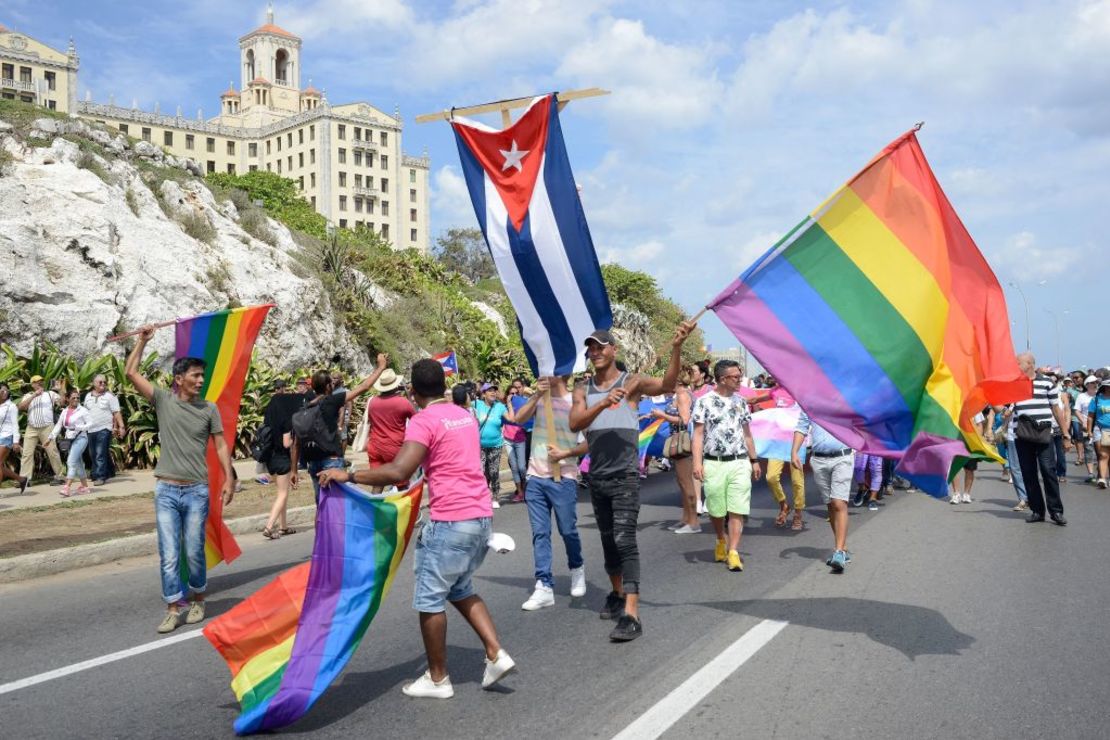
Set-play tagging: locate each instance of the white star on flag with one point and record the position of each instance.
(513, 157)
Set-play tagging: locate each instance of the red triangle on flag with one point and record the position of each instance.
(512, 157)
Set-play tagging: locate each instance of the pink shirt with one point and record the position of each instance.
(456, 487)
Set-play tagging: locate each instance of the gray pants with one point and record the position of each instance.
(833, 476)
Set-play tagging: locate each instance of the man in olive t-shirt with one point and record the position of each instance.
(185, 424)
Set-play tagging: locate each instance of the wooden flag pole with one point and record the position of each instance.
(549, 419)
(504, 106)
(125, 335)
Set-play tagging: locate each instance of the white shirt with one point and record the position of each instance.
(101, 408)
(9, 421)
(73, 421)
(41, 411)
(1082, 406)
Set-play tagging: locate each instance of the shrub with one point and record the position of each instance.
(88, 161)
(253, 221)
(197, 226)
(132, 201)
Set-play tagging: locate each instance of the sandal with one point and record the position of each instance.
(780, 520)
(270, 534)
(797, 525)
(286, 530)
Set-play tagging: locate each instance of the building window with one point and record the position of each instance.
(289, 161)
(312, 156)
(358, 134)
(50, 104)
(190, 142)
(358, 205)
(267, 146)
(123, 128)
(231, 148)
(342, 223)
(412, 235)
(279, 166)
(370, 205)
(412, 195)
(211, 166)
(358, 181)
(252, 149)
(313, 199)
(253, 167)
(385, 162)
(342, 179)
(300, 159)
(385, 185)
(289, 138)
(312, 132)
(358, 159)
(24, 74)
(385, 207)
(7, 71)
(369, 159)
(385, 138)
(300, 183)
(269, 167)
(343, 202)
(342, 132)
(211, 144)
(146, 134)
(342, 156)
(279, 143)
(385, 231)
(412, 176)
(231, 168)
(51, 80)
(167, 138)
(300, 136)
(312, 179)
(412, 214)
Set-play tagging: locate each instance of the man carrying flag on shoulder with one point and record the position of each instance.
(605, 408)
(185, 424)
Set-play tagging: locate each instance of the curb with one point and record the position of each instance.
(51, 562)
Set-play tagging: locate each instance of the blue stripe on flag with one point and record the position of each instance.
(531, 271)
(528, 353)
(571, 220)
(475, 182)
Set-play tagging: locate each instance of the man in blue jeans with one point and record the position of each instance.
(186, 422)
(545, 495)
(105, 420)
(443, 438)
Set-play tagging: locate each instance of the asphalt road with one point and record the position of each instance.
(952, 621)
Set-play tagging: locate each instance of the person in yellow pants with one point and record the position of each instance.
(797, 483)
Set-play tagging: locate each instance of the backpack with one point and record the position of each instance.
(312, 433)
(262, 448)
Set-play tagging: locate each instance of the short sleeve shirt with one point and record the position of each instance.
(456, 486)
(183, 432)
(490, 419)
(100, 409)
(40, 413)
(388, 416)
(724, 419)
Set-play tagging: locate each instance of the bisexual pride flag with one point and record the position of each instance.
(449, 361)
(527, 204)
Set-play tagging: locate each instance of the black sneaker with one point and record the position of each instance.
(614, 606)
(857, 499)
(628, 628)
(23, 484)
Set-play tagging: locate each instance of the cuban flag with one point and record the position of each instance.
(527, 204)
(449, 361)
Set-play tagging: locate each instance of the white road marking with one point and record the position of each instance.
(94, 662)
(672, 707)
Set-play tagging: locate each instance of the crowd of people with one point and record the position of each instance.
(558, 433)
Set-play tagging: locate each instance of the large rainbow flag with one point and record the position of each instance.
(286, 643)
(882, 318)
(224, 340)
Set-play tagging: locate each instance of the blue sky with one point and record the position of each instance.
(729, 121)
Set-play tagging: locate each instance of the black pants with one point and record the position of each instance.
(617, 507)
(1061, 457)
(1040, 458)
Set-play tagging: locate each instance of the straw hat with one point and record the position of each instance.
(387, 381)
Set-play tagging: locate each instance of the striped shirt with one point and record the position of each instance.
(1039, 406)
(565, 439)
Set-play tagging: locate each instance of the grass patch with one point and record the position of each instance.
(218, 278)
(37, 142)
(254, 222)
(196, 225)
(88, 161)
(132, 201)
(6, 160)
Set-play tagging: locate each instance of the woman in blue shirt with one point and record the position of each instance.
(491, 415)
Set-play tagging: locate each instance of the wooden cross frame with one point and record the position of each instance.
(507, 105)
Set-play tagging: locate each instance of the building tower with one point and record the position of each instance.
(270, 67)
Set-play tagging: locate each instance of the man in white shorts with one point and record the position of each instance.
(832, 464)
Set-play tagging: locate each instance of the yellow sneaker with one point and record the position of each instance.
(734, 561)
(719, 551)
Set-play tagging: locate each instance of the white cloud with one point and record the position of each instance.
(1024, 258)
(450, 199)
(642, 256)
(329, 18)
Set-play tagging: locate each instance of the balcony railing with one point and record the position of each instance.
(370, 192)
(18, 85)
(367, 144)
(282, 82)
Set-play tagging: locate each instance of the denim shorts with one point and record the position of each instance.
(447, 554)
(5, 441)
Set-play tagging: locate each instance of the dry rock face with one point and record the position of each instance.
(91, 250)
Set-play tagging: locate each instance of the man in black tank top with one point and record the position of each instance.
(605, 409)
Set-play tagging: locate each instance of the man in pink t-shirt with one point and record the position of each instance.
(443, 438)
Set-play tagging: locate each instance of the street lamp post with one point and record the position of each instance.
(1013, 284)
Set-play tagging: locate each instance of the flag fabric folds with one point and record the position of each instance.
(286, 643)
(527, 205)
(224, 340)
(449, 361)
(882, 318)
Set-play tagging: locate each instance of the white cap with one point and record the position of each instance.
(1090, 379)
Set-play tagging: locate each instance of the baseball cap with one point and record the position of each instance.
(302, 381)
(602, 337)
(1090, 379)
(36, 378)
(1105, 383)
(279, 384)
(485, 387)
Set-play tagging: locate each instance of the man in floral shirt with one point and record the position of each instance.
(724, 459)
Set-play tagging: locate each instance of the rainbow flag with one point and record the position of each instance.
(224, 340)
(287, 642)
(882, 318)
(647, 435)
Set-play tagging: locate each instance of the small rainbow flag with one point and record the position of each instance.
(287, 642)
(224, 340)
(647, 435)
(882, 318)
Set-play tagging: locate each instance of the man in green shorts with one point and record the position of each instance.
(724, 459)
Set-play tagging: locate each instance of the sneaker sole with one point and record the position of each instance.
(837, 567)
(528, 608)
(625, 638)
(428, 696)
(508, 672)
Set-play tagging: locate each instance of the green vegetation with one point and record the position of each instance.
(639, 291)
(88, 161)
(132, 201)
(196, 225)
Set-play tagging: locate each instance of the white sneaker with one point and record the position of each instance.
(541, 597)
(687, 529)
(955, 499)
(676, 525)
(496, 504)
(497, 669)
(967, 498)
(425, 688)
(578, 581)
(701, 507)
